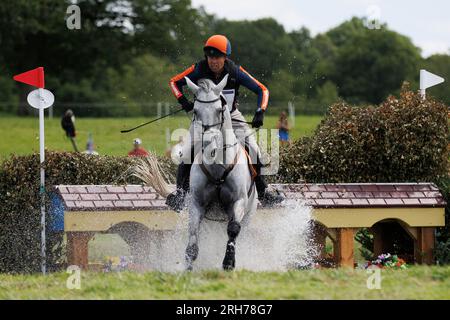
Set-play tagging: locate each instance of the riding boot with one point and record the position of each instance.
(175, 200)
(266, 198)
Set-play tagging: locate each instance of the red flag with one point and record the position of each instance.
(33, 77)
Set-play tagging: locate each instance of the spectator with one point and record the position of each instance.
(68, 124)
(90, 146)
(283, 127)
(138, 151)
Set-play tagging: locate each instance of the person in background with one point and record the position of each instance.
(138, 151)
(68, 124)
(90, 146)
(283, 127)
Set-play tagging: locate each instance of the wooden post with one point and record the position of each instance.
(343, 248)
(424, 245)
(77, 248)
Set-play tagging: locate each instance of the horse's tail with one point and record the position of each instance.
(149, 171)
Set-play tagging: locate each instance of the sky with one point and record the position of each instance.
(426, 23)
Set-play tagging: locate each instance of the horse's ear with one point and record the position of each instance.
(194, 88)
(218, 88)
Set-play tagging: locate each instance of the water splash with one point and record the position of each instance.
(270, 240)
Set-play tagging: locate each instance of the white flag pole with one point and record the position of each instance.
(39, 99)
(42, 184)
(422, 84)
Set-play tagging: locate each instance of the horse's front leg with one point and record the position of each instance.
(235, 214)
(196, 212)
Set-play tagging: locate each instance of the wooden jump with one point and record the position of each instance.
(338, 211)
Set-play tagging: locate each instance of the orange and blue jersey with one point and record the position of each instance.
(237, 76)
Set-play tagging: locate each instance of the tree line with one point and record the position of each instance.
(120, 60)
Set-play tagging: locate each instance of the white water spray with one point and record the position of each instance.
(272, 240)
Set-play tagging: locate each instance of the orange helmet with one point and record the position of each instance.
(217, 45)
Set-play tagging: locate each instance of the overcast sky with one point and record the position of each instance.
(427, 23)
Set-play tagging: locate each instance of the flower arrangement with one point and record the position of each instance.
(116, 264)
(387, 261)
(122, 263)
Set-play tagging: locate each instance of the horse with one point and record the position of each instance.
(220, 173)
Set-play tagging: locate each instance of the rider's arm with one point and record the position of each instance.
(254, 85)
(178, 82)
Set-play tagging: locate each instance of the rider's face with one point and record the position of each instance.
(216, 63)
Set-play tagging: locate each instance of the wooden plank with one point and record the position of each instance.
(345, 243)
(77, 248)
(367, 217)
(424, 245)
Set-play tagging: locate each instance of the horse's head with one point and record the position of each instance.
(210, 114)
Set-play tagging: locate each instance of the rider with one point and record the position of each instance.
(214, 67)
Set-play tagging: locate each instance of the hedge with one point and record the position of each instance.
(402, 140)
(20, 210)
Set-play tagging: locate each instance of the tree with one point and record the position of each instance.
(261, 46)
(440, 65)
(371, 64)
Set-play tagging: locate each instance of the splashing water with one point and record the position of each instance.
(270, 240)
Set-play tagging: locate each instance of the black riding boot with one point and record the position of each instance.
(175, 200)
(266, 198)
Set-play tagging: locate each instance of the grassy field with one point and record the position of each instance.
(418, 282)
(21, 135)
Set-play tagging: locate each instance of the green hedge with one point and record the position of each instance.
(402, 140)
(20, 209)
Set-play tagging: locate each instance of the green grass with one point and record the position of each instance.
(21, 135)
(418, 282)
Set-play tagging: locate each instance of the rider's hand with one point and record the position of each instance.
(258, 118)
(186, 104)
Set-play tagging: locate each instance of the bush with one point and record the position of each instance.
(20, 211)
(402, 140)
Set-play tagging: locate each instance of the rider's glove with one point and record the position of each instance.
(185, 104)
(258, 118)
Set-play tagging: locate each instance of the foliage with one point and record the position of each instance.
(401, 140)
(439, 64)
(364, 237)
(126, 51)
(20, 210)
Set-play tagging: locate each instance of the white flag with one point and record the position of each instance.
(428, 79)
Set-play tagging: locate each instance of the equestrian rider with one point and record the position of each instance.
(214, 67)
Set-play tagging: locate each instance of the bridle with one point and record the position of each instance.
(205, 127)
(218, 182)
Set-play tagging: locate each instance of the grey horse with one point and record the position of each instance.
(220, 173)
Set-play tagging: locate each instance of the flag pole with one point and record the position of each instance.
(42, 183)
(39, 99)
